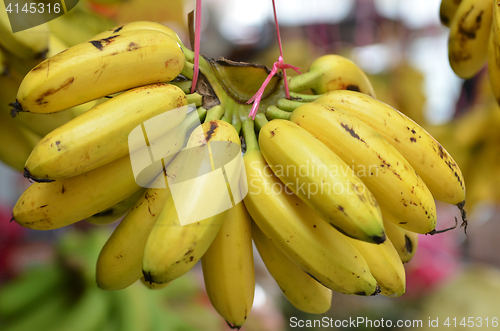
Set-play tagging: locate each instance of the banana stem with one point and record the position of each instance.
(226, 118)
(188, 70)
(185, 85)
(274, 112)
(214, 113)
(260, 121)
(304, 97)
(202, 113)
(195, 98)
(288, 105)
(249, 135)
(303, 82)
(236, 122)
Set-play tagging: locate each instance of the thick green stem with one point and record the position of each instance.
(236, 122)
(214, 113)
(202, 113)
(303, 82)
(274, 112)
(304, 97)
(288, 105)
(249, 135)
(188, 70)
(185, 86)
(195, 98)
(260, 121)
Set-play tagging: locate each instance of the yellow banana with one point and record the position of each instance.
(494, 54)
(97, 68)
(469, 33)
(447, 11)
(427, 157)
(3, 63)
(120, 262)
(385, 265)
(101, 135)
(27, 44)
(303, 292)
(384, 171)
(129, 238)
(405, 242)
(138, 25)
(228, 268)
(46, 206)
(306, 239)
(332, 72)
(117, 211)
(173, 249)
(322, 180)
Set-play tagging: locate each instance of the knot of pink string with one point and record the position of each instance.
(258, 96)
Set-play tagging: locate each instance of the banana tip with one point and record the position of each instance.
(38, 180)
(147, 277)
(463, 214)
(17, 108)
(233, 326)
(378, 239)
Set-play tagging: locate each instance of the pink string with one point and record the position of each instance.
(197, 32)
(277, 65)
(258, 96)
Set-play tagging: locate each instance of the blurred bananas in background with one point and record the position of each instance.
(325, 171)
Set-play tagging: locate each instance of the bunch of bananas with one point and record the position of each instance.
(19, 53)
(62, 295)
(339, 184)
(474, 38)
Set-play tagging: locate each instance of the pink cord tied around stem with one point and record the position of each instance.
(258, 96)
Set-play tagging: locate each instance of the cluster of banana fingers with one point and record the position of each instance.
(339, 184)
(474, 38)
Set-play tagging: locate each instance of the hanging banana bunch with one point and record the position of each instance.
(335, 190)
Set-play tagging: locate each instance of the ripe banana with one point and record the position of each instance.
(384, 171)
(139, 25)
(120, 262)
(101, 135)
(447, 11)
(306, 239)
(427, 157)
(469, 34)
(117, 211)
(47, 206)
(322, 180)
(405, 242)
(385, 265)
(173, 249)
(97, 68)
(494, 54)
(228, 268)
(303, 292)
(332, 72)
(27, 44)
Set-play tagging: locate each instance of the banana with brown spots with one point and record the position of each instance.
(172, 248)
(384, 171)
(228, 269)
(447, 11)
(428, 158)
(98, 68)
(469, 35)
(405, 242)
(321, 179)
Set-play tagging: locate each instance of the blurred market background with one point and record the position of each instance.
(402, 46)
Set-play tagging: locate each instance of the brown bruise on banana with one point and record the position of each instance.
(101, 43)
(41, 99)
(465, 34)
